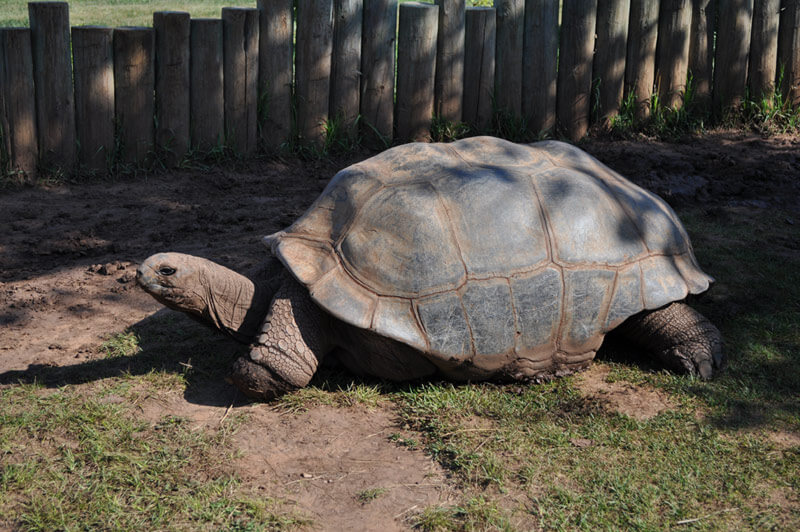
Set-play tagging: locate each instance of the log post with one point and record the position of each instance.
(377, 71)
(789, 50)
(733, 46)
(313, 68)
(52, 75)
(92, 51)
(763, 64)
(672, 56)
(609, 59)
(479, 53)
(275, 52)
(575, 67)
(416, 68)
(18, 142)
(172, 85)
(134, 83)
(207, 98)
(449, 83)
(701, 50)
(508, 56)
(240, 51)
(640, 65)
(346, 62)
(539, 65)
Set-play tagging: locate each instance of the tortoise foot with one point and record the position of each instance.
(258, 382)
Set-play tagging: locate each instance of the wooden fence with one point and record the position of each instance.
(86, 97)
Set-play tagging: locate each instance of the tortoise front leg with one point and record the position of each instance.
(292, 342)
(679, 336)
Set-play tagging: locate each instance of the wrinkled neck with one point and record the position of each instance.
(235, 304)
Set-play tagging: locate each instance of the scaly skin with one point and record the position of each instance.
(679, 336)
(294, 338)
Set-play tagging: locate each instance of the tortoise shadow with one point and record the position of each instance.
(168, 342)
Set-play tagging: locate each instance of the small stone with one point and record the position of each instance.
(581, 442)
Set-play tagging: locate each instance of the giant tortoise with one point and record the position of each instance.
(480, 259)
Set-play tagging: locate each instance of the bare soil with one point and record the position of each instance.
(68, 255)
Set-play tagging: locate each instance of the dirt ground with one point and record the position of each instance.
(68, 255)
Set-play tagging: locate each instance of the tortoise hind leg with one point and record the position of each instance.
(679, 336)
(292, 342)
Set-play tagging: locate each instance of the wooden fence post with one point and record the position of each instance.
(134, 83)
(479, 53)
(640, 65)
(701, 50)
(17, 102)
(609, 59)
(313, 68)
(733, 45)
(789, 50)
(240, 52)
(448, 92)
(275, 64)
(672, 55)
(207, 98)
(575, 67)
(52, 74)
(172, 85)
(508, 56)
(416, 68)
(346, 62)
(539, 64)
(377, 71)
(92, 51)
(762, 68)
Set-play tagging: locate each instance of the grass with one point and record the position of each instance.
(118, 12)
(73, 460)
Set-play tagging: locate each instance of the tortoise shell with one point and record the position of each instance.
(487, 251)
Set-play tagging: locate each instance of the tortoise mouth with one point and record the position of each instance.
(147, 281)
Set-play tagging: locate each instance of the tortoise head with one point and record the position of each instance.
(178, 281)
(206, 291)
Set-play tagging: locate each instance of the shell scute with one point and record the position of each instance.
(490, 315)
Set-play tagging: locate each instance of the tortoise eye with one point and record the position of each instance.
(166, 270)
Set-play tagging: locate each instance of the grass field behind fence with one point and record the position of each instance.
(118, 12)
